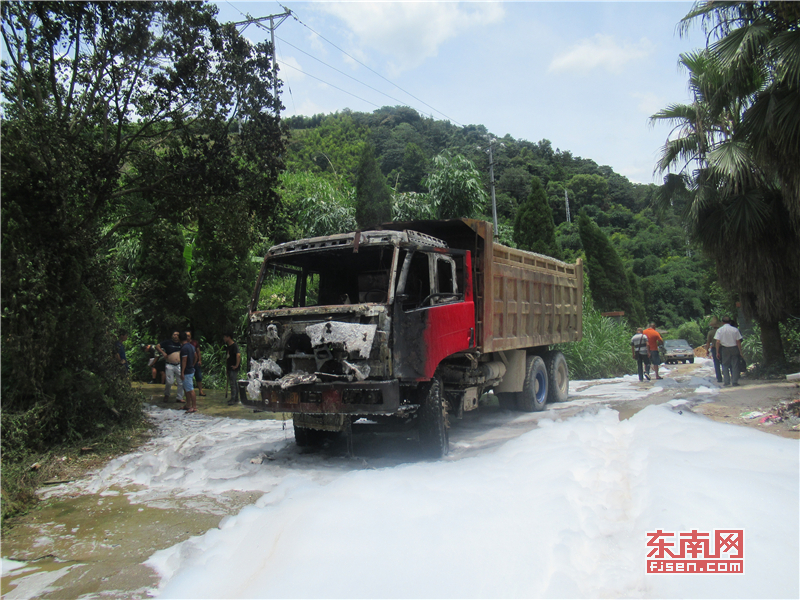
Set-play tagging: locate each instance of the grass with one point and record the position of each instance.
(604, 351)
(29, 471)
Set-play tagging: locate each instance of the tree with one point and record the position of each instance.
(735, 205)
(117, 116)
(413, 171)
(455, 186)
(587, 190)
(373, 197)
(534, 229)
(608, 280)
(315, 206)
(757, 50)
(161, 289)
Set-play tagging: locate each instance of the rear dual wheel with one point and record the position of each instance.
(533, 396)
(558, 376)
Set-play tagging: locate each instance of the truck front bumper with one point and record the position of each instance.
(380, 397)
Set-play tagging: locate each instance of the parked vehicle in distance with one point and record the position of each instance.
(676, 351)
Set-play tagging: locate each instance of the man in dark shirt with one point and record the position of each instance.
(119, 351)
(198, 365)
(233, 362)
(188, 358)
(170, 350)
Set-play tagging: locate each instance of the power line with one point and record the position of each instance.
(288, 12)
(330, 84)
(339, 71)
(294, 16)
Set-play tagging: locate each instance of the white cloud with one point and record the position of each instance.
(410, 32)
(649, 103)
(600, 52)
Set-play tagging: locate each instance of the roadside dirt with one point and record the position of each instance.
(751, 404)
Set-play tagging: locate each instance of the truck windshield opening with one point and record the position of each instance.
(327, 278)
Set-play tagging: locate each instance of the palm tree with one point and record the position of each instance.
(735, 207)
(757, 45)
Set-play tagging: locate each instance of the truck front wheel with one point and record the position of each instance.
(533, 396)
(433, 436)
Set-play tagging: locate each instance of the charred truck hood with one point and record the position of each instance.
(332, 337)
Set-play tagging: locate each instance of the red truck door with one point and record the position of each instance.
(434, 314)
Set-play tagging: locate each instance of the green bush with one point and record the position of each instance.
(692, 333)
(215, 376)
(790, 336)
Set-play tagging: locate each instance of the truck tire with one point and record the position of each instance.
(433, 436)
(305, 437)
(558, 377)
(533, 396)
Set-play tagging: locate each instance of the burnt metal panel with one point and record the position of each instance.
(327, 398)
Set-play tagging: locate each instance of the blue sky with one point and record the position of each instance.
(584, 75)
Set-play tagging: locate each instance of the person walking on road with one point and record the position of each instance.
(232, 362)
(188, 359)
(729, 349)
(171, 352)
(641, 354)
(653, 340)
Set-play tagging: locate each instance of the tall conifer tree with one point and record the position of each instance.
(608, 281)
(373, 197)
(534, 229)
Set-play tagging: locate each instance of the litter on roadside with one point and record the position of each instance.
(751, 415)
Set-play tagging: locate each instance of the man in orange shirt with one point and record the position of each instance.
(653, 339)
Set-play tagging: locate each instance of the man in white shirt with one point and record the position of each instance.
(729, 349)
(641, 354)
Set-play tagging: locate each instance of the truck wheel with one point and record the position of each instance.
(305, 437)
(558, 377)
(433, 436)
(691, 361)
(533, 396)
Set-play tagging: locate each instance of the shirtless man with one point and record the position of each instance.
(171, 351)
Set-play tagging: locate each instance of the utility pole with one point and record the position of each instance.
(566, 201)
(490, 151)
(491, 178)
(274, 23)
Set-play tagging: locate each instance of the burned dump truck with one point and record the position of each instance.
(407, 326)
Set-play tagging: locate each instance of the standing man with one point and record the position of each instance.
(150, 352)
(729, 349)
(234, 360)
(119, 351)
(188, 359)
(653, 340)
(711, 346)
(171, 352)
(641, 354)
(198, 365)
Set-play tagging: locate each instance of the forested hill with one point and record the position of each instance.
(674, 282)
